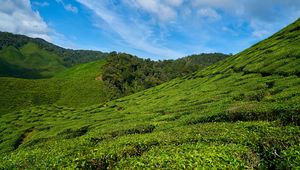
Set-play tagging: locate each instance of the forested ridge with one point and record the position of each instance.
(126, 74)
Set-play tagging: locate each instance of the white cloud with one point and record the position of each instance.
(17, 16)
(229, 5)
(208, 13)
(71, 8)
(186, 12)
(261, 29)
(175, 3)
(167, 21)
(263, 17)
(267, 10)
(41, 4)
(163, 10)
(68, 7)
(133, 33)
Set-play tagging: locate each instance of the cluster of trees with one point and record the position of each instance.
(69, 56)
(125, 74)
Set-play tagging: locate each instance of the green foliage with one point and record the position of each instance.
(18, 93)
(279, 54)
(78, 86)
(82, 85)
(26, 57)
(127, 74)
(29, 62)
(292, 155)
(192, 156)
(231, 115)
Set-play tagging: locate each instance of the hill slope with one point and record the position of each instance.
(278, 55)
(82, 85)
(125, 74)
(25, 57)
(237, 114)
(78, 86)
(63, 80)
(32, 61)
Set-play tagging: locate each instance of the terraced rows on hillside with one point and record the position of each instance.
(278, 55)
(74, 87)
(242, 113)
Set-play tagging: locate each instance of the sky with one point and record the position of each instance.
(156, 29)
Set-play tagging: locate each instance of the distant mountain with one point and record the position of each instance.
(25, 57)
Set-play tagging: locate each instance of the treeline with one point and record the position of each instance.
(125, 74)
(69, 56)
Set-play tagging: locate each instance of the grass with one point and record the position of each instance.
(78, 86)
(31, 62)
(82, 85)
(235, 114)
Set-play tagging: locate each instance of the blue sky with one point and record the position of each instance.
(156, 29)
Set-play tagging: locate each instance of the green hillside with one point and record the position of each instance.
(125, 74)
(277, 55)
(82, 85)
(38, 62)
(77, 86)
(34, 58)
(74, 87)
(241, 113)
(68, 56)
(25, 57)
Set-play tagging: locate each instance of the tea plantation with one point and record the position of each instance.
(77, 86)
(241, 113)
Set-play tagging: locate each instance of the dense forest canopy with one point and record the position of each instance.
(125, 74)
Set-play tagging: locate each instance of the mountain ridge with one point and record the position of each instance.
(24, 58)
(71, 57)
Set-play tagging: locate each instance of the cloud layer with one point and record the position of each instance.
(68, 7)
(18, 17)
(133, 33)
(160, 29)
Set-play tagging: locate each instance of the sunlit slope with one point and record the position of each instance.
(74, 87)
(30, 61)
(264, 77)
(279, 54)
(82, 85)
(232, 115)
(36, 50)
(18, 93)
